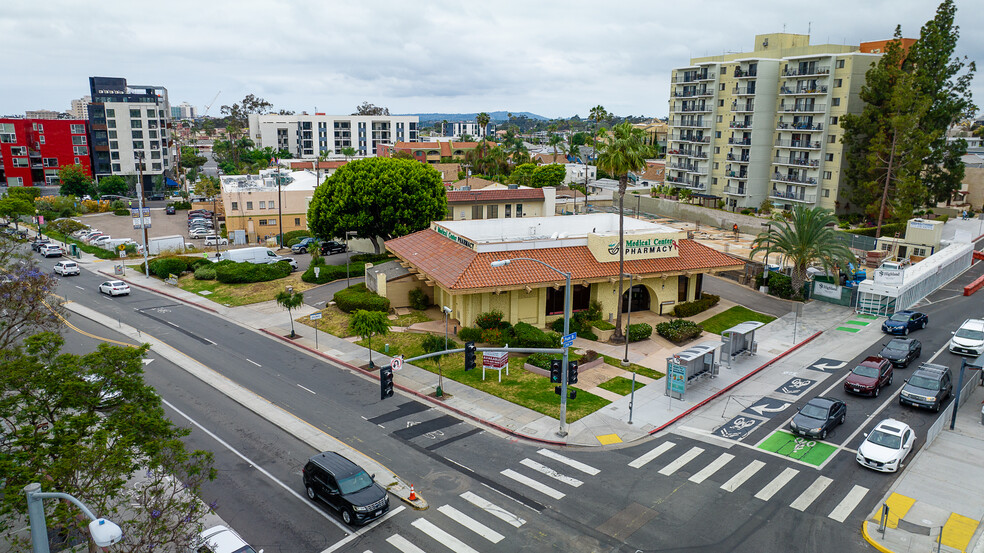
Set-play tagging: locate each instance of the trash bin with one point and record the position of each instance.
(73, 250)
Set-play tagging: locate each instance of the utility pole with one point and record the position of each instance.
(143, 223)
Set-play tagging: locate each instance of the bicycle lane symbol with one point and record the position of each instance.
(737, 428)
(795, 386)
(797, 447)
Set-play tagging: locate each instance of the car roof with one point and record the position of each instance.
(973, 323)
(823, 401)
(872, 361)
(930, 372)
(115, 282)
(901, 341)
(334, 462)
(892, 426)
(223, 539)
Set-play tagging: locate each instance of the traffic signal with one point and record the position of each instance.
(385, 382)
(469, 355)
(556, 368)
(571, 372)
(557, 390)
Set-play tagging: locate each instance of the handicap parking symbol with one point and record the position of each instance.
(737, 428)
(795, 386)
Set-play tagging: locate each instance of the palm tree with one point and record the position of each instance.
(623, 153)
(808, 237)
(597, 113)
(555, 141)
(483, 122)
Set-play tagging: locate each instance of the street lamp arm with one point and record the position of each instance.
(504, 262)
(59, 495)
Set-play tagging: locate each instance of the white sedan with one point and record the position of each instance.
(887, 446)
(115, 288)
(220, 539)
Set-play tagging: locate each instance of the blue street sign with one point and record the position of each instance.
(568, 340)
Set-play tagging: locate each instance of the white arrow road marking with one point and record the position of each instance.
(147, 361)
(763, 409)
(826, 367)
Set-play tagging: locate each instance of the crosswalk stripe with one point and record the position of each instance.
(403, 544)
(542, 488)
(550, 472)
(743, 474)
(678, 463)
(652, 454)
(493, 509)
(811, 494)
(447, 540)
(587, 469)
(710, 469)
(850, 501)
(777, 483)
(471, 524)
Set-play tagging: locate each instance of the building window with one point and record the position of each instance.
(78, 129)
(21, 162)
(270, 205)
(112, 134)
(18, 150)
(838, 83)
(117, 168)
(827, 175)
(114, 145)
(717, 149)
(272, 221)
(154, 145)
(720, 118)
(921, 252)
(886, 247)
(508, 211)
(249, 205)
(829, 157)
(835, 101)
(114, 155)
(15, 181)
(51, 162)
(136, 134)
(80, 150)
(263, 222)
(840, 64)
(155, 166)
(580, 298)
(722, 86)
(111, 123)
(297, 221)
(78, 140)
(152, 134)
(235, 206)
(833, 120)
(136, 124)
(519, 210)
(155, 154)
(832, 139)
(826, 192)
(138, 145)
(134, 113)
(110, 113)
(476, 212)
(717, 134)
(262, 205)
(720, 103)
(714, 180)
(492, 212)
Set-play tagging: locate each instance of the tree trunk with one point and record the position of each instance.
(797, 278)
(375, 244)
(888, 180)
(618, 337)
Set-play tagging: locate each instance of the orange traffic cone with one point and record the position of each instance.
(413, 495)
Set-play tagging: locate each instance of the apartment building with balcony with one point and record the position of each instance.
(764, 125)
(33, 150)
(131, 129)
(310, 136)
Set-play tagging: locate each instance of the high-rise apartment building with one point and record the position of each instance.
(309, 136)
(184, 111)
(80, 107)
(130, 123)
(765, 125)
(33, 150)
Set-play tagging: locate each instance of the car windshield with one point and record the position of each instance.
(814, 411)
(900, 317)
(869, 372)
(969, 334)
(897, 346)
(924, 383)
(354, 483)
(885, 440)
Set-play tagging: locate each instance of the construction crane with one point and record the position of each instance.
(209, 105)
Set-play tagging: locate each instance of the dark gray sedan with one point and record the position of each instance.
(818, 417)
(901, 351)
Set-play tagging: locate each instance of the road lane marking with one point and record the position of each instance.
(654, 453)
(543, 469)
(587, 469)
(743, 474)
(680, 461)
(307, 389)
(542, 488)
(365, 529)
(710, 469)
(253, 362)
(493, 509)
(850, 501)
(79, 287)
(777, 484)
(811, 494)
(471, 524)
(447, 540)
(403, 544)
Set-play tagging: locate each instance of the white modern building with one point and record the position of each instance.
(184, 111)
(309, 136)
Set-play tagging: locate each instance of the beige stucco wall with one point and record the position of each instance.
(294, 209)
(974, 185)
(398, 290)
(531, 208)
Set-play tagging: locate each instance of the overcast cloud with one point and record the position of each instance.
(555, 59)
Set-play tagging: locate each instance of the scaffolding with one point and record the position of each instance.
(918, 281)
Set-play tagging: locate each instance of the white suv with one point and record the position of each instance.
(969, 338)
(65, 268)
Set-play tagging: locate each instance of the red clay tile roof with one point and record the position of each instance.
(494, 195)
(321, 164)
(456, 267)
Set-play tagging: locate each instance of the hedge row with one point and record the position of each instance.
(639, 331)
(329, 273)
(679, 330)
(357, 297)
(231, 272)
(691, 308)
(890, 228)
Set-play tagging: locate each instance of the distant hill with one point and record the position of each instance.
(496, 116)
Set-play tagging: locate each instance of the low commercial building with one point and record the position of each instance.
(451, 261)
(429, 152)
(255, 205)
(506, 203)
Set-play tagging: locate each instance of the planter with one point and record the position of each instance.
(603, 335)
(580, 367)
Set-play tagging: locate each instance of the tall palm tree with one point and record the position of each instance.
(599, 114)
(483, 121)
(623, 153)
(555, 141)
(806, 238)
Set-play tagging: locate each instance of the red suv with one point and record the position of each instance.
(870, 377)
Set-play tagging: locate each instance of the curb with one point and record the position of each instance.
(870, 540)
(736, 382)
(425, 397)
(157, 291)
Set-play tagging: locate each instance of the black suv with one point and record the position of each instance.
(929, 386)
(329, 247)
(345, 487)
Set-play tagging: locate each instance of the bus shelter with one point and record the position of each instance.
(739, 340)
(689, 365)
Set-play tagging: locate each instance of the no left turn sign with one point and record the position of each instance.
(396, 363)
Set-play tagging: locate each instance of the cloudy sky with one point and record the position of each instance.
(555, 59)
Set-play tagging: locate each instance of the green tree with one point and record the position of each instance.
(349, 152)
(191, 160)
(114, 185)
(621, 154)
(367, 324)
(12, 208)
(25, 292)
(483, 123)
(551, 174)
(74, 181)
(555, 141)
(51, 403)
(523, 174)
(808, 237)
(377, 198)
(290, 300)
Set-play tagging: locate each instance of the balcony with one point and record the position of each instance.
(803, 108)
(34, 153)
(695, 109)
(743, 90)
(741, 175)
(679, 166)
(693, 138)
(794, 196)
(685, 94)
(785, 90)
(800, 144)
(743, 107)
(698, 171)
(745, 74)
(794, 179)
(37, 165)
(735, 190)
(740, 124)
(738, 159)
(806, 71)
(740, 141)
(695, 122)
(707, 76)
(814, 163)
(803, 127)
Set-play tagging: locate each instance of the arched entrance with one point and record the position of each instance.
(640, 299)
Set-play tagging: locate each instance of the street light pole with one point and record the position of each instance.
(567, 329)
(104, 532)
(348, 254)
(143, 223)
(625, 362)
(768, 243)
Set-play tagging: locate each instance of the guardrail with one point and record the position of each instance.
(974, 286)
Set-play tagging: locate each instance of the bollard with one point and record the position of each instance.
(386, 349)
(883, 523)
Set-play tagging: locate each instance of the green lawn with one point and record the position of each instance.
(737, 314)
(638, 369)
(620, 385)
(519, 386)
(242, 294)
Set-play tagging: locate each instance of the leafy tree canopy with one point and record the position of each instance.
(552, 174)
(365, 108)
(74, 181)
(113, 185)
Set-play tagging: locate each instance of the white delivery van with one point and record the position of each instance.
(253, 255)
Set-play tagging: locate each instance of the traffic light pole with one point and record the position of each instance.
(563, 375)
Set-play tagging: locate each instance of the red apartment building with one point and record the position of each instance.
(32, 150)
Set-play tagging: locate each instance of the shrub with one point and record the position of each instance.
(943, 218)
(677, 330)
(121, 212)
(541, 360)
(489, 320)
(329, 273)
(886, 229)
(205, 272)
(294, 236)
(639, 331)
(179, 205)
(357, 297)
(295, 240)
(579, 323)
(166, 266)
(602, 325)
(494, 336)
(594, 310)
(118, 205)
(780, 285)
(470, 334)
(589, 356)
(746, 211)
(691, 308)
(241, 273)
(587, 334)
(419, 299)
(370, 257)
(195, 262)
(529, 336)
(434, 343)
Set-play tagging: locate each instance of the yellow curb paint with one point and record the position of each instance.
(869, 539)
(898, 506)
(958, 530)
(609, 439)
